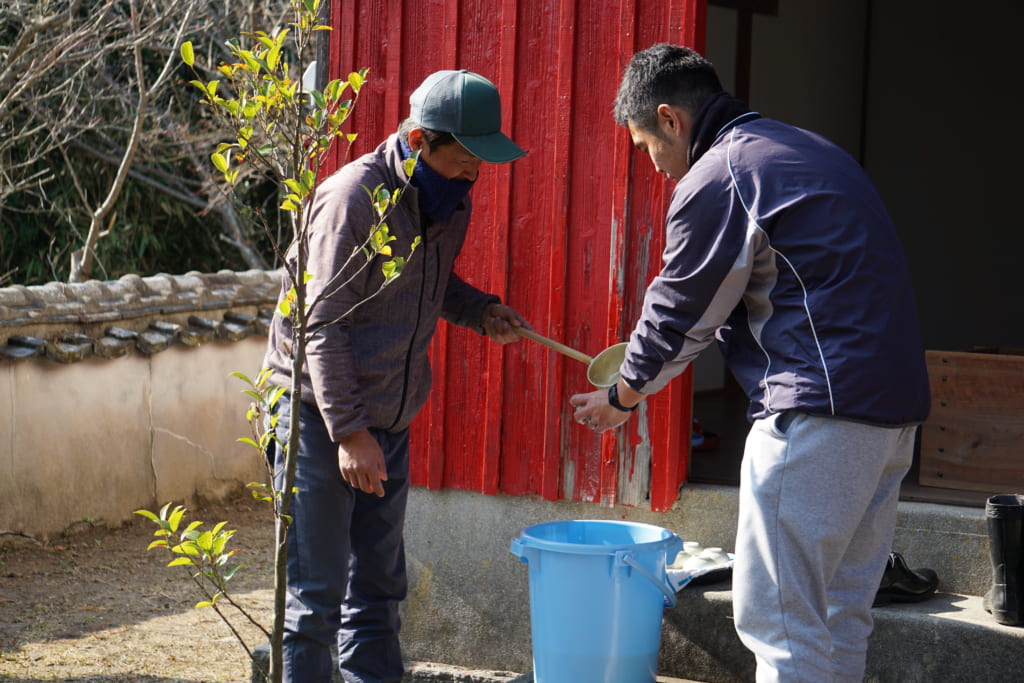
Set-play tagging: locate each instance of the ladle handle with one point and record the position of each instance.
(552, 344)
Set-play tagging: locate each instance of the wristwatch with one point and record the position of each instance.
(613, 399)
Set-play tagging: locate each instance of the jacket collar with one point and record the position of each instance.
(719, 114)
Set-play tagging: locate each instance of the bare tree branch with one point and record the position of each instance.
(66, 88)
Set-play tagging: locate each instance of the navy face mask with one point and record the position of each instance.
(438, 196)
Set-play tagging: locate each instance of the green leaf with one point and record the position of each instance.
(147, 514)
(190, 547)
(276, 395)
(187, 54)
(334, 89)
(273, 56)
(393, 268)
(220, 162)
(308, 178)
(251, 62)
(180, 561)
(175, 517)
(205, 540)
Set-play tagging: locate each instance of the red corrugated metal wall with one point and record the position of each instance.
(570, 236)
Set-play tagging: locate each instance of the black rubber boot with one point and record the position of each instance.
(1004, 515)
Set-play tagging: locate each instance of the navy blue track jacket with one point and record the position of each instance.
(779, 246)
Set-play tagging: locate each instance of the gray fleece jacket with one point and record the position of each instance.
(367, 363)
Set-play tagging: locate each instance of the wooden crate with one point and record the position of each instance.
(974, 438)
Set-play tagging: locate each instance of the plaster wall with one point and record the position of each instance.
(98, 439)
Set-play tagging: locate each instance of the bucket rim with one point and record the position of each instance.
(528, 540)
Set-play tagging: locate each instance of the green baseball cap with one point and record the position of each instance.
(468, 106)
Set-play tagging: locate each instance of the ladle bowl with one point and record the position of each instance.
(603, 370)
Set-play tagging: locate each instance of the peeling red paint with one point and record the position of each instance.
(568, 235)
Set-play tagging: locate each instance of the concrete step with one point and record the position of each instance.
(440, 673)
(948, 638)
(430, 672)
(469, 606)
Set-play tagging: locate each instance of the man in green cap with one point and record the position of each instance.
(367, 374)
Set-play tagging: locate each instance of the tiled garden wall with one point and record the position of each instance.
(117, 395)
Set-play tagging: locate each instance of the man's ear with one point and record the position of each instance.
(673, 121)
(416, 140)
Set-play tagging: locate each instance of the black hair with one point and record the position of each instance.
(663, 74)
(433, 138)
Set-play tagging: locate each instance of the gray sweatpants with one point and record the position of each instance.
(817, 514)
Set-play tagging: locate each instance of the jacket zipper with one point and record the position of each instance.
(412, 337)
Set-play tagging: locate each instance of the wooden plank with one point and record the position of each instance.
(559, 137)
(472, 372)
(974, 438)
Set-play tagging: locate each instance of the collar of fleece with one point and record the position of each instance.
(720, 113)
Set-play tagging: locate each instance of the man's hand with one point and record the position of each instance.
(361, 463)
(594, 411)
(499, 321)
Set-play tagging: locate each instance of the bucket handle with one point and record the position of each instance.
(626, 557)
(516, 548)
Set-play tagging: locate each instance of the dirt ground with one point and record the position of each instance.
(94, 606)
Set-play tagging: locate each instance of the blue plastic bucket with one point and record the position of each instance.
(597, 592)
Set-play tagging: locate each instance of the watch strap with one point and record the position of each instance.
(613, 399)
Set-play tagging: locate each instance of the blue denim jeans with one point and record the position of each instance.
(346, 560)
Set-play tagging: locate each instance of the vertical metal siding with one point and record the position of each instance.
(570, 236)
